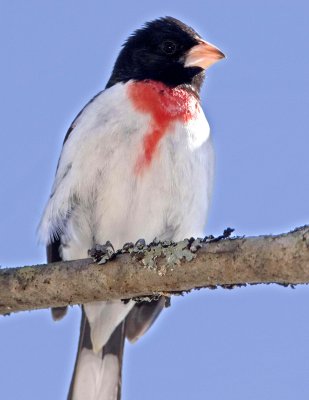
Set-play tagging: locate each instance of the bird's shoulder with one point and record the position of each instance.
(101, 108)
(79, 115)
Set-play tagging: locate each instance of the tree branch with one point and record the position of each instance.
(157, 269)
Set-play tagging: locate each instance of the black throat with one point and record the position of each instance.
(172, 77)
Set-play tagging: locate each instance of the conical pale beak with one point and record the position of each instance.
(203, 55)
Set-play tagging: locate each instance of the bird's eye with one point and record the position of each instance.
(169, 47)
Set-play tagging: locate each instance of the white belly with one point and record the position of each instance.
(169, 200)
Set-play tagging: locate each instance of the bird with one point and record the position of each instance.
(137, 162)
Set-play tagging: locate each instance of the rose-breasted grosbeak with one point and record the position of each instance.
(137, 162)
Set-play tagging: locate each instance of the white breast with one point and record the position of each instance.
(98, 197)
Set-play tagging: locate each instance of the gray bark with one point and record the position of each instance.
(157, 269)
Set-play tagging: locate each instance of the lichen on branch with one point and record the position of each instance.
(159, 268)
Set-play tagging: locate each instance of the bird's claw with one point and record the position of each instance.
(101, 253)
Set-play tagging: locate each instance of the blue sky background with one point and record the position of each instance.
(245, 344)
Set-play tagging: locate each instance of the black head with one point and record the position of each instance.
(158, 51)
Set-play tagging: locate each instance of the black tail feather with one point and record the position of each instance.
(142, 316)
(114, 346)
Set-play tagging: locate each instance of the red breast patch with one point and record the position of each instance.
(165, 105)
